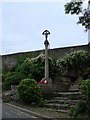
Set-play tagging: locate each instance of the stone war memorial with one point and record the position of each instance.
(46, 87)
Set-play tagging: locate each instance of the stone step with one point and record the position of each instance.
(66, 93)
(70, 102)
(58, 106)
(73, 90)
(69, 95)
(70, 98)
(56, 110)
(63, 101)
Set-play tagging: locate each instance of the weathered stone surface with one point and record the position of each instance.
(13, 89)
(58, 86)
(6, 96)
(74, 87)
(45, 88)
(14, 93)
(15, 97)
(63, 101)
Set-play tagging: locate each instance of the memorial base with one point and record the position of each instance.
(46, 88)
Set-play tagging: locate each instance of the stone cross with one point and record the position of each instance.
(46, 33)
(46, 43)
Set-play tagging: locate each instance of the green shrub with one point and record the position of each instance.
(34, 68)
(85, 88)
(80, 110)
(29, 91)
(75, 64)
(6, 75)
(73, 112)
(29, 68)
(12, 79)
(83, 107)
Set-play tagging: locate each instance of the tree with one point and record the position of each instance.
(76, 7)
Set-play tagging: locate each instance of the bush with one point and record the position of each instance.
(85, 88)
(12, 79)
(76, 63)
(83, 107)
(74, 66)
(29, 91)
(34, 68)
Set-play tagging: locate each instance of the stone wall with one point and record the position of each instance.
(8, 61)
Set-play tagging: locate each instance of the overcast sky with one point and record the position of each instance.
(22, 25)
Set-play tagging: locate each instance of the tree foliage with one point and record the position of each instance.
(76, 7)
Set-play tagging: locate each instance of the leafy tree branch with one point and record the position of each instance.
(76, 7)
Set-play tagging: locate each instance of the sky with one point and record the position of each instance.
(22, 24)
